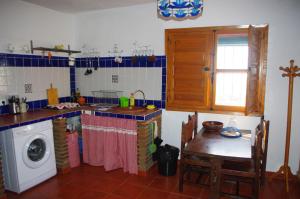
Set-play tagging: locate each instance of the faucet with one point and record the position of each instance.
(140, 91)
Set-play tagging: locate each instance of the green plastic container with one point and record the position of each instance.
(124, 102)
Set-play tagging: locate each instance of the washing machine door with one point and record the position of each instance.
(36, 151)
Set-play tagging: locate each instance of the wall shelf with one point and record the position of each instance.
(44, 49)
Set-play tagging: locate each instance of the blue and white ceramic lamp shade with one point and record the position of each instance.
(179, 8)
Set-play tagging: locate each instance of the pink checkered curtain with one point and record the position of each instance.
(111, 142)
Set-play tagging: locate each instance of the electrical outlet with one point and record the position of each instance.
(115, 78)
(28, 88)
(3, 100)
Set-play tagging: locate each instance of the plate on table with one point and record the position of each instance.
(231, 132)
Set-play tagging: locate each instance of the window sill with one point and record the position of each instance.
(237, 113)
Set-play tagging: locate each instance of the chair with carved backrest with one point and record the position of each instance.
(190, 162)
(248, 172)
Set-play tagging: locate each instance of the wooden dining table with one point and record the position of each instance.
(217, 148)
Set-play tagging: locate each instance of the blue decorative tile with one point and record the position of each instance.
(141, 118)
(102, 63)
(44, 103)
(3, 60)
(66, 62)
(164, 62)
(163, 96)
(95, 63)
(83, 63)
(163, 88)
(164, 71)
(115, 64)
(19, 62)
(143, 61)
(37, 104)
(4, 109)
(48, 63)
(35, 62)
(61, 63)
(27, 62)
(158, 62)
(128, 62)
(77, 63)
(163, 104)
(11, 61)
(31, 105)
(55, 62)
(157, 103)
(164, 79)
(42, 62)
(150, 63)
(128, 116)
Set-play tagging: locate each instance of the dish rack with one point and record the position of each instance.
(107, 97)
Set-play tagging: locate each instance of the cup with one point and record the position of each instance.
(24, 107)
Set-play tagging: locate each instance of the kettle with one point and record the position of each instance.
(14, 105)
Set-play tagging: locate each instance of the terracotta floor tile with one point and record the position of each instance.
(191, 190)
(128, 190)
(88, 182)
(164, 183)
(106, 185)
(92, 195)
(177, 196)
(140, 180)
(113, 196)
(150, 193)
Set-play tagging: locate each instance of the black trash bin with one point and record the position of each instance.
(167, 160)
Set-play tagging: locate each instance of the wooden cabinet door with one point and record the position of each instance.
(189, 60)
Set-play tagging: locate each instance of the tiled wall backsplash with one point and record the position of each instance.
(17, 70)
(37, 73)
(132, 74)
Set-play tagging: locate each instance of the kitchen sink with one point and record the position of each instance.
(129, 110)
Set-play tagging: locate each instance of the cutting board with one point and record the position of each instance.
(52, 95)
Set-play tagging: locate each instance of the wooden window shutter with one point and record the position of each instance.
(257, 66)
(189, 56)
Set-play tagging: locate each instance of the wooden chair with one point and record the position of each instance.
(245, 171)
(194, 119)
(264, 126)
(190, 162)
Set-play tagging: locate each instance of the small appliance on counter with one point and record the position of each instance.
(23, 106)
(14, 105)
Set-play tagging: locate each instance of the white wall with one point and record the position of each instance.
(14, 79)
(101, 29)
(21, 22)
(130, 80)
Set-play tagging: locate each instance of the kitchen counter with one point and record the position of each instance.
(11, 121)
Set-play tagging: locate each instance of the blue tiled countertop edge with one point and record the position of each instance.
(78, 113)
(129, 116)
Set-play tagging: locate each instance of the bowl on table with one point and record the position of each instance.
(212, 126)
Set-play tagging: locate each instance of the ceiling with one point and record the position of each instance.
(77, 6)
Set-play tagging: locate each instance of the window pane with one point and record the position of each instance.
(232, 53)
(231, 89)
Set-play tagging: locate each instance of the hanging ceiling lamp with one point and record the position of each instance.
(179, 8)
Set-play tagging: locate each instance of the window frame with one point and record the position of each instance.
(258, 110)
(230, 31)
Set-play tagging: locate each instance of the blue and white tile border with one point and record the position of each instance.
(20, 60)
(78, 113)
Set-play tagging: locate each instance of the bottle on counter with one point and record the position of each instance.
(131, 100)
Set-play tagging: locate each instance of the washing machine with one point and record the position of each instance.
(28, 155)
